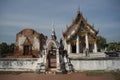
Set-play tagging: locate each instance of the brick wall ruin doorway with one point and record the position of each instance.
(27, 47)
(27, 50)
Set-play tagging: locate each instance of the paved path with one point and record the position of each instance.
(35, 76)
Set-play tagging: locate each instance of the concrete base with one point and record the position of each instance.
(84, 64)
(106, 64)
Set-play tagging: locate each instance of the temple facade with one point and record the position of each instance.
(29, 43)
(54, 58)
(80, 37)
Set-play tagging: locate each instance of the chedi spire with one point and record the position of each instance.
(53, 35)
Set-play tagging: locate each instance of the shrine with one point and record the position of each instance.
(76, 52)
(54, 57)
(29, 43)
(80, 37)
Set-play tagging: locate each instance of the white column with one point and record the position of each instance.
(45, 57)
(69, 48)
(58, 59)
(77, 45)
(86, 41)
(65, 44)
(95, 47)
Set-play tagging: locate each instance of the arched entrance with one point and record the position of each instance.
(27, 47)
(52, 47)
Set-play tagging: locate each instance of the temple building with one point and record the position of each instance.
(78, 53)
(29, 43)
(80, 36)
(54, 58)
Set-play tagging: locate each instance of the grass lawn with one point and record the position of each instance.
(114, 74)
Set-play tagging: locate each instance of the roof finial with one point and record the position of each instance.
(78, 10)
(93, 25)
(53, 35)
(52, 26)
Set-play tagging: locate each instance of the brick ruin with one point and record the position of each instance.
(29, 44)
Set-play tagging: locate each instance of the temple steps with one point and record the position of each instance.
(51, 71)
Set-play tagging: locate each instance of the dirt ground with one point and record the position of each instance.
(35, 76)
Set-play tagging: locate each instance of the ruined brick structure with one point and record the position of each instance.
(29, 43)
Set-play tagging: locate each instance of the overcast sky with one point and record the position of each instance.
(39, 15)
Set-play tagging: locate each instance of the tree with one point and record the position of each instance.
(113, 46)
(101, 43)
(118, 47)
(4, 47)
(11, 48)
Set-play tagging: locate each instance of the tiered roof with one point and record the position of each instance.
(76, 26)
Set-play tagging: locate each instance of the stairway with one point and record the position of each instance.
(51, 71)
(52, 62)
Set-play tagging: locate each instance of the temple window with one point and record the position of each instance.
(73, 47)
(81, 25)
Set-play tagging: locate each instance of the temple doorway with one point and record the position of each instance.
(26, 50)
(52, 58)
(52, 46)
(27, 47)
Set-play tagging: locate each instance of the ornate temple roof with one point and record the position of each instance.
(75, 25)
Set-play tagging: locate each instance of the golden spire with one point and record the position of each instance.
(53, 35)
(78, 11)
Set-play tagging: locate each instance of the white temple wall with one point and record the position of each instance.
(21, 40)
(19, 64)
(30, 64)
(85, 65)
(36, 43)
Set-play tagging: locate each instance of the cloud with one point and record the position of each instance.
(16, 15)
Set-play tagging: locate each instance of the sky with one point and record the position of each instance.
(41, 15)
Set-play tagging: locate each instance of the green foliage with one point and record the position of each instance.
(113, 46)
(101, 42)
(5, 48)
(114, 74)
(11, 48)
